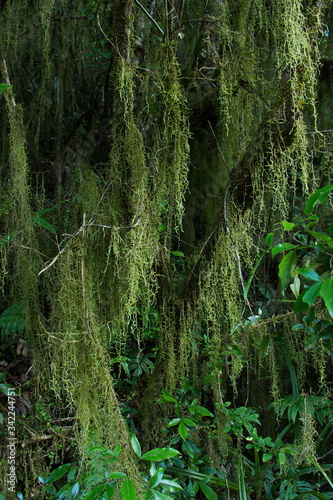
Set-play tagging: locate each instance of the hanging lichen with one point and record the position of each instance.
(79, 342)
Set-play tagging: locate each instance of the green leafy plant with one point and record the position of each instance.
(102, 480)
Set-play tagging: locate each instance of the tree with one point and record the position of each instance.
(148, 148)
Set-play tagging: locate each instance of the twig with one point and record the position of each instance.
(3, 69)
(149, 16)
(106, 37)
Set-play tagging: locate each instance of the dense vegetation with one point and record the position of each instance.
(166, 240)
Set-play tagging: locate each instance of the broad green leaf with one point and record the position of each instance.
(58, 473)
(282, 247)
(2, 376)
(282, 458)
(173, 422)
(189, 421)
(288, 226)
(160, 496)
(3, 87)
(308, 273)
(71, 474)
(312, 293)
(269, 239)
(158, 454)
(136, 445)
(75, 490)
(182, 429)
(46, 225)
(286, 268)
(267, 457)
(203, 411)
(299, 305)
(326, 333)
(95, 493)
(172, 484)
(156, 478)
(208, 491)
(322, 237)
(326, 293)
(188, 448)
(295, 287)
(116, 475)
(109, 490)
(317, 198)
(167, 397)
(128, 490)
(177, 253)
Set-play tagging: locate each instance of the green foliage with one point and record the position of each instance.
(308, 265)
(12, 320)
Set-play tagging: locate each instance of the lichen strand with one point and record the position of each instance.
(274, 163)
(135, 244)
(78, 341)
(169, 166)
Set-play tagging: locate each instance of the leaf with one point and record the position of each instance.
(109, 490)
(167, 397)
(326, 333)
(308, 273)
(182, 429)
(177, 253)
(173, 422)
(326, 293)
(94, 494)
(160, 496)
(295, 287)
(286, 267)
(4, 86)
(288, 226)
(128, 490)
(323, 238)
(189, 421)
(116, 475)
(317, 198)
(136, 445)
(299, 305)
(203, 411)
(158, 454)
(282, 458)
(269, 239)
(311, 294)
(172, 484)
(282, 247)
(58, 473)
(208, 491)
(267, 457)
(75, 490)
(43, 223)
(156, 478)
